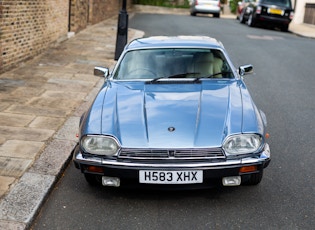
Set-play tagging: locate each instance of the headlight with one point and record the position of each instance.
(100, 145)
(242, 144)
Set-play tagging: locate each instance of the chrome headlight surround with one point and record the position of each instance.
(242, 144)
(100, 145)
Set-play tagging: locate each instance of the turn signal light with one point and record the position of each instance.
(246, 169)
(95, 169)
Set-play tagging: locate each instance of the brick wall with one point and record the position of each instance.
(84, 12)
(27, 27)
(101, 9)
(79, 13)
(1, 19)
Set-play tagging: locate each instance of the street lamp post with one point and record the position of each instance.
(122, 30)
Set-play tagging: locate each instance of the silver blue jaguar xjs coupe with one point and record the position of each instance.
(174, 113)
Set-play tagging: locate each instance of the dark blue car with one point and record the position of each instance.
(173, 113)
(272, 13)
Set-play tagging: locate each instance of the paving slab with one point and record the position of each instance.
(27, 92)
(38, 111)
(5, 184)
(52, 74)
(68, 85)
(21, 149)
(27, 134)
(4, 105)
(8, 119)
(64, 95)
(14, 167)
(10, 99)
(42, 122)
(54, 103)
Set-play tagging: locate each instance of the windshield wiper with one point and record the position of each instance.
(215, 74)
(179, 75)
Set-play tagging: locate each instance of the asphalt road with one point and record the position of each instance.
(283, 86)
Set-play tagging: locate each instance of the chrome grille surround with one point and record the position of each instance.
(182, 154)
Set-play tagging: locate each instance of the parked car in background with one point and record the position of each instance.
(174, 113)
(205, 7)
(275, 13)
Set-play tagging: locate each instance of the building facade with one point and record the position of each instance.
(27, 27)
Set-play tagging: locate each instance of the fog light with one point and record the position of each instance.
(110, 181)
(231, 181)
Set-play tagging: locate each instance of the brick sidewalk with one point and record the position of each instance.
(41, 104)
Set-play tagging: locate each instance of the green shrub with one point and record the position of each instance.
(233, 5)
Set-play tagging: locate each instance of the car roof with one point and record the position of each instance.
(174, 41)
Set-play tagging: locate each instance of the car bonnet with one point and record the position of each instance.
(168, 115)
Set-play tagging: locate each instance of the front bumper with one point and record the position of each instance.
(128, 172)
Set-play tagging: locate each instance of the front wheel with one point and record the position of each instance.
(250, 21)
(241, 18)
(285, 28)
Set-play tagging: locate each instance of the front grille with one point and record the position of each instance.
(150, 154)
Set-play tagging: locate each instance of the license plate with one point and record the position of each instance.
(170, 177)
(275, 11)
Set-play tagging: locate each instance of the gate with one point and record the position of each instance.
(309, 16)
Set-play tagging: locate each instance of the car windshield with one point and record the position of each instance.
(286, 3)
(173, 63)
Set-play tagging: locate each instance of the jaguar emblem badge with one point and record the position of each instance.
(171, 129)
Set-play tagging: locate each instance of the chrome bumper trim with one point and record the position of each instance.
(263, 158)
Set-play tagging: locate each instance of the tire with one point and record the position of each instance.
(254, 179)
(250, 21)
(193, 14)
(93, 180)
(241, 18)
(216, 15)
(285, 28)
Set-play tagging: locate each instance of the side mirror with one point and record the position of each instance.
(245, 69)
(101, 71)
